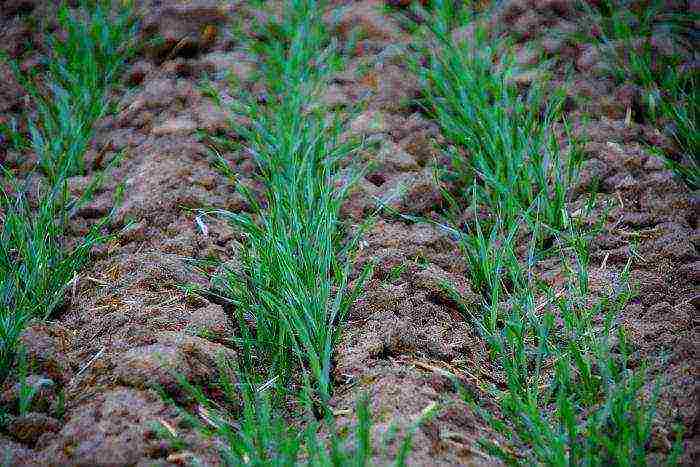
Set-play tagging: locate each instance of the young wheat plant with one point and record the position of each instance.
(291, 289)
(36, 265)
(624, 32)
(570, 397)
(72, 92)
(498, 137)
(296, 263)
(260, 436)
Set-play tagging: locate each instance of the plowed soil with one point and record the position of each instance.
(127, 321)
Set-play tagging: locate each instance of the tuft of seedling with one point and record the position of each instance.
(290, 288)
(36, 264)
(71, 92)
(683, 110)
(570, 396)
(501, 139)
(260, 436)
(628, 33)
(36, 267)
(294, 277)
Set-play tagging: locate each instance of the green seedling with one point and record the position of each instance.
(26, 391)
(37, 268)
(569, 395)
(499, 137)
(570, 398)
(624, 32)
(259, 435)
(396, 272)
(290, 286)
(294, 279)
(72, 93)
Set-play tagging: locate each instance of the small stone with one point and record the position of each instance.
(210, 322)
(175, 126)
(420, 144)
(513, 9)
(361, 200)
(29, 427)
(464, 34)
(658, 310)
(182, 29)
(446, 287)
(156, 93)
(370, 122)
(178, 67)
(627, 181)
(561, 7)
(655, 163)
(399, 3)
(196, 300)
(413, 192)
(526, 78)
(15, 7)
(366, 16)
(526, 25)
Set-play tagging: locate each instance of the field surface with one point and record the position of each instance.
(146, 313)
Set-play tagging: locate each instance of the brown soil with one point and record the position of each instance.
(127, 321)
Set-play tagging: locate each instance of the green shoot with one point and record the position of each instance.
(570, 397)
(259, 436)
(295, 276)
(624, 32)
(26, 391)
(36, 265)
(683, 112)
(498, 137)
(72, 93)
(36, 268)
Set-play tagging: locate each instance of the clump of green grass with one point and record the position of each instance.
(294, 279)
(72, 90)
(624, 32)
(36, 267)
(36, 264)
(486, 246)
(291, 287)
(683, 110)
(260, 436)
(570, 396)
(499, 137)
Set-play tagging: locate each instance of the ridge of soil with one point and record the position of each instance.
(128, 322)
